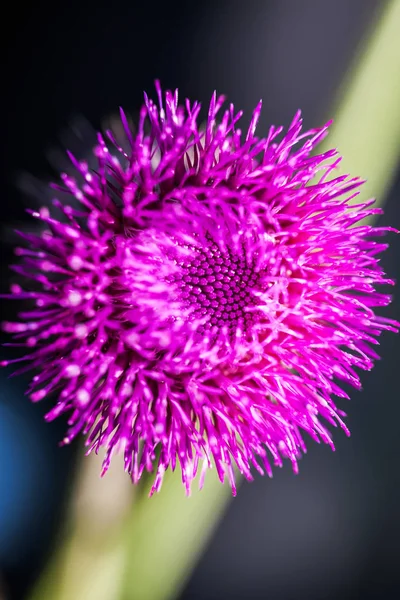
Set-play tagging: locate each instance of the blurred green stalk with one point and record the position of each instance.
(366, 128)
(162, 538)
(166, 535)
(89, 559)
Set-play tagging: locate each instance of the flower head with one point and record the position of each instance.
(206, 296)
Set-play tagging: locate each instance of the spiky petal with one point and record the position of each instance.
(207, 298)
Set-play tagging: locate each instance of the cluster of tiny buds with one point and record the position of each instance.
(219, 285)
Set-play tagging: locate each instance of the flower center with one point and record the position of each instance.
(219, 286)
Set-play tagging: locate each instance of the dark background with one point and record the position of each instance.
(333, 531)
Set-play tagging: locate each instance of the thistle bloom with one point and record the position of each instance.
(206, 296)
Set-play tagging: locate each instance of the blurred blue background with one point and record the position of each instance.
(333, 531)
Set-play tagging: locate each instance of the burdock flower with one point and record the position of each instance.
(205, 298)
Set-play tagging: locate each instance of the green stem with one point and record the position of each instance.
(88, 562)
(366, 128)
(167, 533)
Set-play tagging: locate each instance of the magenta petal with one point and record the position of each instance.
(204, 304)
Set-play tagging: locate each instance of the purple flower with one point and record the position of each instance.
(206, 296)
